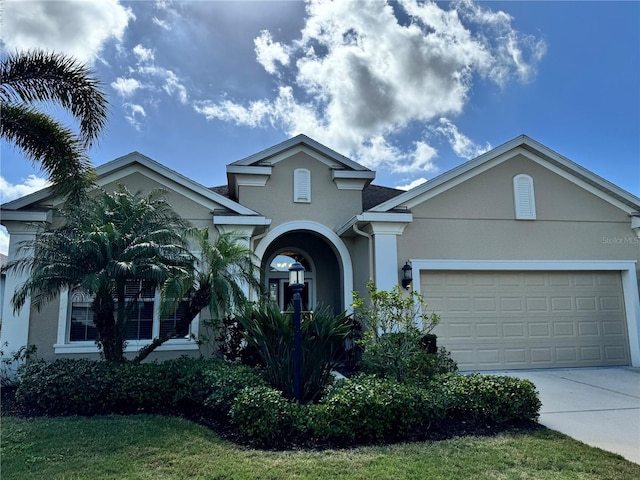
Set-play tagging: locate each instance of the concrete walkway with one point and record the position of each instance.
(597, 406)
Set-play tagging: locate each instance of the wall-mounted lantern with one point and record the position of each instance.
(407, 276)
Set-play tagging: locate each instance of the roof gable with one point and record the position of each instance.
(273, 155)
(255, 170)
(120, 167)
(529, 148)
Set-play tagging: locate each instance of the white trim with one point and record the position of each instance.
(64, 346)
(175, 344)
(21, 216)
(379, 217)
(250, 220)
(250, 180)
(352, 180)
(627, 268)
(330, 235)
(249, 170)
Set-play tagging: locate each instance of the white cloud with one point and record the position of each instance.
(460, 144)
(161, 23)
(358, 76)
(10, 191)
(143, 54)
(77, 28)
(269, 52)
(413, 184)
(125, 87)
(134, 113)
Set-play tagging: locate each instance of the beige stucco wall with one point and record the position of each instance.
(329, 206)
(476, 220)
(196, 213)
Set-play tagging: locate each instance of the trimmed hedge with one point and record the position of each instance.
(499, 399)
(86, 387)
(368, 409)
(363, 409)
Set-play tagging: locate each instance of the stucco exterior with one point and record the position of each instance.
(348, 231)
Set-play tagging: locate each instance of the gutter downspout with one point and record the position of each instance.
(370, 238)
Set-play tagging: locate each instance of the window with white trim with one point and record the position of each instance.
(301, 185)
(524, 197)
(77, 332)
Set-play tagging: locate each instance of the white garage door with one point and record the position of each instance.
(496, 320)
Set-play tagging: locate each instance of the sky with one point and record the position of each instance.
(409, 89)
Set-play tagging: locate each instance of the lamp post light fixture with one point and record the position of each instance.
(296, 284)
(407, 276)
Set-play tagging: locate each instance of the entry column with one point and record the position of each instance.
(385, 246)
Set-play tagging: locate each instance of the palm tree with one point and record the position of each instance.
(33, 78)
(104, 245)
(221, 269)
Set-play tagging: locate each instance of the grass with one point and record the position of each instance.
(154, 447)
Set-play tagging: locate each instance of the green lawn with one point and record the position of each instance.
(153, 447)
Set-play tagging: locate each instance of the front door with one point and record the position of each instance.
(278, 280)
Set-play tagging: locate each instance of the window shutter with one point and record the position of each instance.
(524, 197)
(301, 185)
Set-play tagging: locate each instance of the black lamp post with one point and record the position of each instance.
(296, 284)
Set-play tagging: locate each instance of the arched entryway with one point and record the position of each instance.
(329, 280)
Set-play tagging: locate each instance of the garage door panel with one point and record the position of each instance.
(493, 320)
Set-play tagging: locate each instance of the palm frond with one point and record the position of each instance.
(40, 76)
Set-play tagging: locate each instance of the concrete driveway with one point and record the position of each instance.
(597, 406)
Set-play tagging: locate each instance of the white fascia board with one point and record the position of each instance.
(352, 179)
(377, 217)
(522, 265)
(385, 217)
(249, 169)
(360, 174)
(27, 200)
(249, 220)
(25, 216)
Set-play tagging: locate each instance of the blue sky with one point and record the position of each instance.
(409, 89)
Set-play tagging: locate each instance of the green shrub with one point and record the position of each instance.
(64, 387)
(188, 377)
(367, 409)
(226, 381)
(270, 331)
(499, 399)
(266, 418)
(136, 388)
(85, 387)
(397, 341)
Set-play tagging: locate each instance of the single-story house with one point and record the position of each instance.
(531, 260)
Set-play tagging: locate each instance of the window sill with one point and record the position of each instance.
(132, 346)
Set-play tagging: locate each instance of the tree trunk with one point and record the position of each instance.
(198, 302)
(110, 337)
